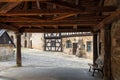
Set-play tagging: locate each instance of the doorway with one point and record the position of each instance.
(74, 48)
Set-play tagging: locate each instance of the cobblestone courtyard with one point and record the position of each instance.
(40, 65)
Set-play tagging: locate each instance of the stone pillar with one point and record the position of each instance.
(107, 55)
(18, 54)
(95, 49)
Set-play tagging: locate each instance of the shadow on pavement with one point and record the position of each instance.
(6, 78)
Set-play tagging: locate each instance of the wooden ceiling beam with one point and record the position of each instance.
(26, 19)
(57, 11)
(66, 4)
(63, 16)
(108, 20)
(75, 27)
(21, 19)
(22, 0)
(57, 24)
(32, 30)
(9, 6)
(101, 8)
(38, 12)
(79, 7)
(9, 27)
(55, 27)
(101, 2)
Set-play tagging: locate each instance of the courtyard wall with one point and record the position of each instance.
(6, 52)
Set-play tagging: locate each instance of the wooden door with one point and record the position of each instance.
(74, 48)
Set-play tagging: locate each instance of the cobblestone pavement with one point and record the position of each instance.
(50, 64)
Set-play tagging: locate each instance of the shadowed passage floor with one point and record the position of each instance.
(47, 73)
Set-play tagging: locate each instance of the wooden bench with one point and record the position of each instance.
(98, 66)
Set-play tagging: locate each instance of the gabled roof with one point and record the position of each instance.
(2, 32)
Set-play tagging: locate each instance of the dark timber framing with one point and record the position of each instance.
(18, 55)
(53, 42)
(95, 49)
(107, 56)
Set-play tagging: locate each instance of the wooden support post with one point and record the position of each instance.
(107, 56)
(61, 42)
(44, 42)
(18, 54)
(95, 49)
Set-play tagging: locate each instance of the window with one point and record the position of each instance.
(68, 44)
(53, 43)
(89, 46)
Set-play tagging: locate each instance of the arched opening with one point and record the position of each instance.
(31, 44)
(25, 44)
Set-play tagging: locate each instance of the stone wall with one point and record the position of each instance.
(115, 33)
(6, 52)
(30, 40)
(76, 40)
(24, 37)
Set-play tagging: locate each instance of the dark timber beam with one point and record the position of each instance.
(58, 11)
(107, 55)
(9, 6)
(9, 27)
(114, 16)
(27, 19)
(66, 4)
(18, 55)
(32, 30)
(39, 12)
(63, 16)
(82, 23)
(95, 49)
(22, 0)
